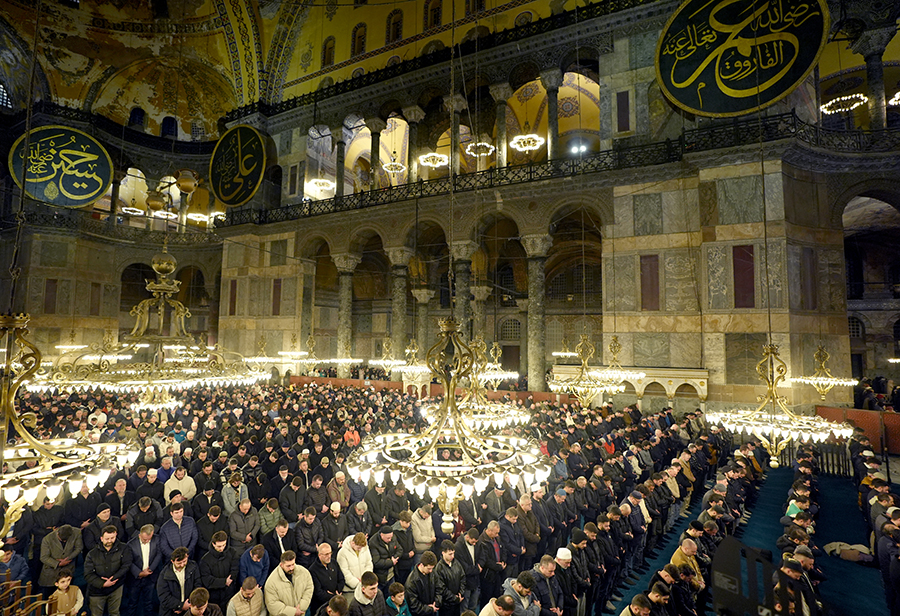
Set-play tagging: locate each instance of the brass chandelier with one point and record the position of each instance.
(170, 358)
(484, 454)
(822, 379)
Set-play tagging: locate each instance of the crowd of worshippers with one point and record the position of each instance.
(881, 511)
(240, 503)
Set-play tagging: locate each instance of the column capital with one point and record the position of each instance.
(423, 296)
(346, 262)
(119, 175)
(400, 256)
(873, 42)
(413, 114)
(537, 245)
(455, 102)
(337, 133)
(463, 250)
(522, 304)
(376, 124)
(500, 92)
(552, 79)
(481, 292)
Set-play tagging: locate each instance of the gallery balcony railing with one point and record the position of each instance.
(739, 132)
(83, 222)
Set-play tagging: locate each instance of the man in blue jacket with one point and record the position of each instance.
(146, 560)
(179, 531)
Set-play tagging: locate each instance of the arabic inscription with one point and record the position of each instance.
(732, 57)
(237, 166)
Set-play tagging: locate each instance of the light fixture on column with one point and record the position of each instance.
(322, 184)
(309, 362)
(133, 209)
(564, 353)
(434, 160)
(843, 104)
(479, 149)
(293, 354)
(822, 379)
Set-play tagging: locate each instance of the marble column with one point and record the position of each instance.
(871, 45)
(501, 92)
(116, 183)
(536, 248)
(455, 104)
(552, 80)
(375, 126)
(337, 141)
(480, 293)
(522, 305)
(462, 268)
(414, 115)
(423, 337)
(346, 264)
(399, 258)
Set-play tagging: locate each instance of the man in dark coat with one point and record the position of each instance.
(489, 557)
(142, 582)
(278, 541)
(386, 553)
(173, 601)
(512, 542)
(449, 581)
(328, 579)
(420, 590)
(466, 557)
(219, 570)
(309, 535)
(105, 568)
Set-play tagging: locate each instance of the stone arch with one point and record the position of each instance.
(361, 236)
(477, 226)
(308, 247)
(425, 221)
(880, 188)
(522, 73)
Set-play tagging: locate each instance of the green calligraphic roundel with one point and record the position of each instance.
(722, 58)
(65, 167)
(238, 165)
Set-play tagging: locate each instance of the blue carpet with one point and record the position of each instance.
(851, 588)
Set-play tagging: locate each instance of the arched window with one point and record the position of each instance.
(358, 44)
(857, 329)
(4, 97)
(432, 14)
(394, 27)
(169, 127)
(510, 330)
(328, 52)
(136, 118)
(474, 6)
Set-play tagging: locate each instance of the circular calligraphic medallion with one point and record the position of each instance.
(722, 58)
(64, 167)
(237, 166)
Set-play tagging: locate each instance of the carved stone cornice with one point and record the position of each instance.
(873, 42)
(346, 262)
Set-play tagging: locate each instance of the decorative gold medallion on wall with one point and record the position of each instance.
(237, 165)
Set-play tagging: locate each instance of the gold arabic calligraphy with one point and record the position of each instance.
(75, 168)
(233, 167)
(761, 44)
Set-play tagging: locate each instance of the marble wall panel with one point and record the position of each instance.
(718, 277)
(680, 211)
(742, 353)
(110, 305)
(832, 282)
(306, 311)
(82, 297)
(714, 357)
(774, 196)
(681, 274)
(641, 48)
(54, 254)
(620, 280)
(289, 297)
(707, 196)
(685, 350)
(606, 112)
(739, 200)
(651, 349)
(626, 355)
(794, 274)
(278, 253)
(235, 255)
(64, 296)
(648, 216)
(624, 212)
(777, 275)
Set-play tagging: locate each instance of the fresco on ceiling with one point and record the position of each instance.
(192, 94)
